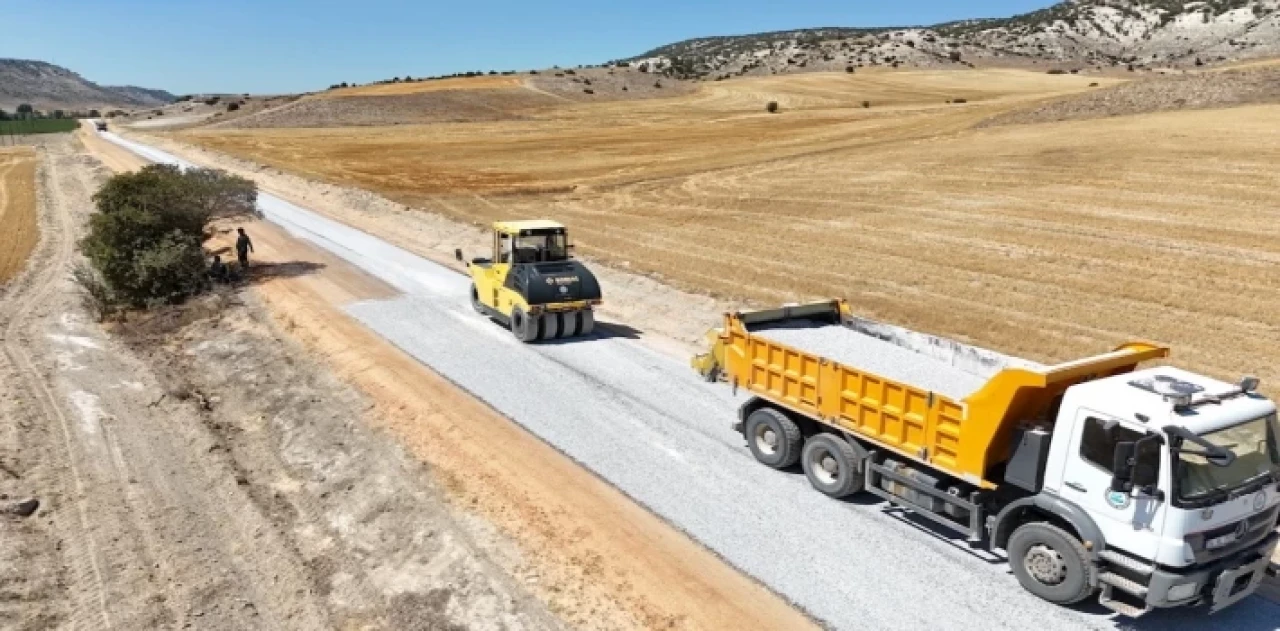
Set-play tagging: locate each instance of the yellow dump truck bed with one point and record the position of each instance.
(944, 403)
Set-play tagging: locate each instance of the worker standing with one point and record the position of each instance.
(243, 247)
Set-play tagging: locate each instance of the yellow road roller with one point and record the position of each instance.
(532, 284)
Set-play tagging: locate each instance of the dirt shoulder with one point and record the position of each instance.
(595, 558)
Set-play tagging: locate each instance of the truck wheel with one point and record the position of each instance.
(1050, 563)
(773, 438)
(523, 327)
(831, 465)
(475, 299)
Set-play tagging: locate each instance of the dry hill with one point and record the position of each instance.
(48, 87)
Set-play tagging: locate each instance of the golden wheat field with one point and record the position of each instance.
(17, 210)
(1048, 241)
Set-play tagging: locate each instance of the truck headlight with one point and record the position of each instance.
(1182, 591)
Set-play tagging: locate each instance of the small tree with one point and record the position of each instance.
(144, 243)
(848, 69)
(771, 107)
(954, 55)
(26, 111)
(231, 107)
(95, 114)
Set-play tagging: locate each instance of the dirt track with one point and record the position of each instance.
(597, 559)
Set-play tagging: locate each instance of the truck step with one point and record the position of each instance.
(1126, 562)
(1119, 606)
(1133, 587)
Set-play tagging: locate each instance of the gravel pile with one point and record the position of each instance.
(850, 348)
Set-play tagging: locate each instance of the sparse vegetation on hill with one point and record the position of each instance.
(49, 87)
(1097, 34)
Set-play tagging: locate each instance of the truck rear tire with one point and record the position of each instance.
(832, 465)
(1050, 563)
(774, 439)
(523, 327)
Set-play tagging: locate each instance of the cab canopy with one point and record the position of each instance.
(528, 227)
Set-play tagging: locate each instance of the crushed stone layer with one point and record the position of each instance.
(647, 424)
(864, 352)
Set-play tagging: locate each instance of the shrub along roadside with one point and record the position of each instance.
(144, 243)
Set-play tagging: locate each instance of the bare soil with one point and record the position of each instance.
(197, 469)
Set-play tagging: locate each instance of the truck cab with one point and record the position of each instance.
(1179, 473)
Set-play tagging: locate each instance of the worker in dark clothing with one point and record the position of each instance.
(218, 270)
(243, 247)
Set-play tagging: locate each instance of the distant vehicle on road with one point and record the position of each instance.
(101, 125)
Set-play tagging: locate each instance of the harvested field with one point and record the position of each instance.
(1047, 241)
(17, 209)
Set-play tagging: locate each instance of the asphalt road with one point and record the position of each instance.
(644, 422)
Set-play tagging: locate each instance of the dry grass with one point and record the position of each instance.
(1048, 241)
(17, 210)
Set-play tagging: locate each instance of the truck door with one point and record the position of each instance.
(1131, 522)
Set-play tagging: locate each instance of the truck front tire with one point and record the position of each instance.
(774, 439)
(832, 466)
(1050, 563)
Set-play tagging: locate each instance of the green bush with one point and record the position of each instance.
(144, 243)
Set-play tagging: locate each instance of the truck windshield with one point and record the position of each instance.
(1257, 455)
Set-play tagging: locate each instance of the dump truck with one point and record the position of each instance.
(532, 284)
(1152, 487)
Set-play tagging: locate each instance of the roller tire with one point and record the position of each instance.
(475, 300)
(569, 323)
(774, 439)
(586, 322)
(1075, 586)
(550, 328)
(829, 450)
(524, 327)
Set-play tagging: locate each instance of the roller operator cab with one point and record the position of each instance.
(532, 284)
(1151, 487)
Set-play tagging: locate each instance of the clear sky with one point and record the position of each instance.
(266, 46)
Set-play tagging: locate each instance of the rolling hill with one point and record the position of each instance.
(48, 87)
(1134, 35)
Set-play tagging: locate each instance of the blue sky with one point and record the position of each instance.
(288, 46)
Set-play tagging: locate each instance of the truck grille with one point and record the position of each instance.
(1254, 529)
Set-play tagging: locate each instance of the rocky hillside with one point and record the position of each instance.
(1081, 35)
(48, 87)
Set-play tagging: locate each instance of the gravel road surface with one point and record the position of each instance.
(644, 422)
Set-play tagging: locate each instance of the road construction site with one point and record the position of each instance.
(623, 407)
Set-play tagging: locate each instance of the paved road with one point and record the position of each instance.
(645, 423)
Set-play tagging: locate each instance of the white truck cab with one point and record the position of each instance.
(1180, 474)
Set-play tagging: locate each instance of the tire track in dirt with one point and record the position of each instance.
(90, 608)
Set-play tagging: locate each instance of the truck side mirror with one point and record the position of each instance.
(1122, 467)
(1146, 462)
